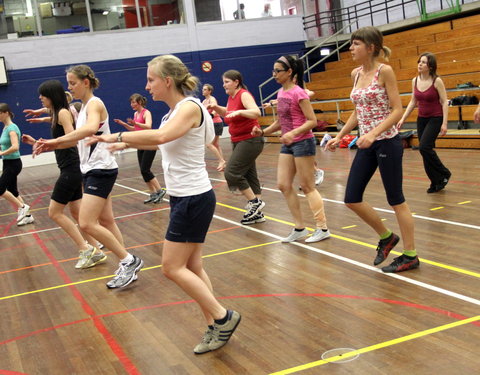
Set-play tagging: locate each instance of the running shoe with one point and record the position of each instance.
(90, 257)
(26, 220)
(402, 263)
(258, 218)
(203, 346)
(295, 235)
(384, 247)
(222, 332)
(318, 235)
(126, 273)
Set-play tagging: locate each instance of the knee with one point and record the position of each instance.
(424, 148)
(54, 215)
(230, 177)
(284, 188)
(85, 226)
(168, 271)
(147, 175)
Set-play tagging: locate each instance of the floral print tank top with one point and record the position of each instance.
(372, 106)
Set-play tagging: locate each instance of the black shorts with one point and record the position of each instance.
(218, 128)
(190, 217)
(68, 187)
(99, 182)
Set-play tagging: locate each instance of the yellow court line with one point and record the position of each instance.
(436, 208)
(143, 269)
(351, 240)
(465, 202)
(378, 346)
(350, 226)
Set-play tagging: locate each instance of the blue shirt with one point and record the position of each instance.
(5, 142)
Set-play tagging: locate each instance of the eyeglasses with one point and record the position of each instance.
(276, 71)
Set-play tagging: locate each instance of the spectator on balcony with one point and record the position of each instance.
(239, 14)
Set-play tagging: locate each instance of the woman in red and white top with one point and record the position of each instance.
(142, 119)
(430, 96)
(207, 91)
(377, 110)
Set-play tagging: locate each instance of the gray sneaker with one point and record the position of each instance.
(126, 273)
(318, 235)
(203, 346)
(91, 257)
(159, 196)
(295, 235)
(222, 332)
(151, 198)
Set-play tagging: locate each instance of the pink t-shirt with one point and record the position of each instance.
(290, 114)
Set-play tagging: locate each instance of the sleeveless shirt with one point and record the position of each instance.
(428, 101)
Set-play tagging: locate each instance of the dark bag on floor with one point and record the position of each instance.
(464, 100)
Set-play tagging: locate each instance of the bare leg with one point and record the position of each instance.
(368, 215)
(153, 185)
(405, 222)
(75, 212)
(96, 218)
(17, 202)
(178, 257)
(56, 213)
(286, 170)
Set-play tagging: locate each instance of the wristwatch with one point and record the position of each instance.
(119, 137)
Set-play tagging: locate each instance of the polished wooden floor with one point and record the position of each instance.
(299, 301)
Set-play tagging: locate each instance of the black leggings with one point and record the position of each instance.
(8, 179)
(385, 154)
(428, 129)
(145, 161)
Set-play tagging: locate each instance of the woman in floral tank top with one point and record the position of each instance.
(377, 110)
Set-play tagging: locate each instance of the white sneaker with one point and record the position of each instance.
(22, 212)
(318, 235)
(295, 235)
(319, 173)
(26, 220)
(91, 257)
(325, 139)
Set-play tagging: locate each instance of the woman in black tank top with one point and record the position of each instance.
(68, 188)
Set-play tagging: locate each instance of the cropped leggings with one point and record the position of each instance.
(145, 161)
(386, 154)
(8, 179)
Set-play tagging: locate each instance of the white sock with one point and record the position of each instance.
(128, 259)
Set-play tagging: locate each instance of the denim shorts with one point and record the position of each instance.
(305, 147)
(190, 217)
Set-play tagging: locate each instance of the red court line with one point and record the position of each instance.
(106, 252)
(269, 295)
(116, 348)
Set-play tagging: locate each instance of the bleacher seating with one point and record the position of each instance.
(455, 43)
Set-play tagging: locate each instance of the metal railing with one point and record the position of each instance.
(305, 58)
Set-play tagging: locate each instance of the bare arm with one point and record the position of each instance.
(15, 144)
(411, 105)
(251, 110)
(476, 115)
(147, 115)
(124, 124)
(442, 93)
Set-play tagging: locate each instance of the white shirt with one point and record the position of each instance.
(183, 159)
(97, 155)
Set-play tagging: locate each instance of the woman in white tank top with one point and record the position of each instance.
(182, 136)
(99, 170)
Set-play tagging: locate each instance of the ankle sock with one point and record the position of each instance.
(410, 253)
(385, 235)
(224, 319)
(128, 259)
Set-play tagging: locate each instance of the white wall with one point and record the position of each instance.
(67, 49)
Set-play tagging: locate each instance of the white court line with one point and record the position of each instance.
(471, 226)
(348, 260)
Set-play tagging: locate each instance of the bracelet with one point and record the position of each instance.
(262, 132)
(119, 137)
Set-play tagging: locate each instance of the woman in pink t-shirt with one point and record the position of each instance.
(296, 120)
(142, 119)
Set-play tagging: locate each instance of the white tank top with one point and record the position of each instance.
(183, 159)
(97, 155)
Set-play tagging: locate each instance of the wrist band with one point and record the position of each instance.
(119, 137)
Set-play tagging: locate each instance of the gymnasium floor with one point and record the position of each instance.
(299, 302)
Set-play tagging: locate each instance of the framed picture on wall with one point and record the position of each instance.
(3, 72)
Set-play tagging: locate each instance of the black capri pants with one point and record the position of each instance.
(145, 161)
(8, 179)
(385, 154)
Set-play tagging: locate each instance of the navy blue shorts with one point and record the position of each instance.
(68, 187)
(386, 155)
(305, 147)
(218, 128)
(99, 182)
(190, 217)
